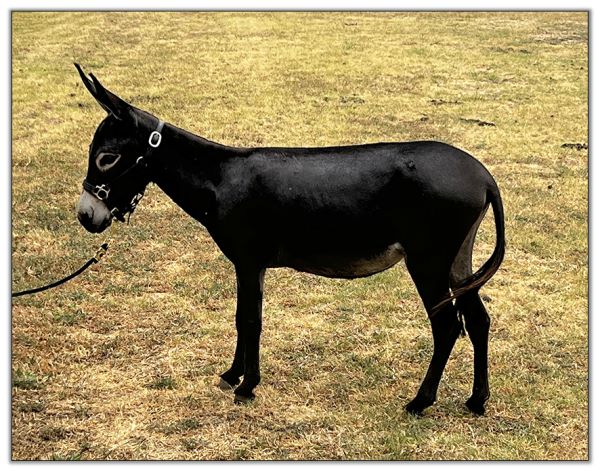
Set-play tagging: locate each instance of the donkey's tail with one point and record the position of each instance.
(490, 267)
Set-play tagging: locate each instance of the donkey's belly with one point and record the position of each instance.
(344, 265)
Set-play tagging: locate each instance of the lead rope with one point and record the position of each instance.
(95, 259)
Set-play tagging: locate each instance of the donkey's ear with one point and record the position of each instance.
(86, 81)
(111, 103)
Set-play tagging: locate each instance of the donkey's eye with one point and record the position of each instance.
(106, 160)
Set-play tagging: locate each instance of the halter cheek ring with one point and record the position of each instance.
(155, 139)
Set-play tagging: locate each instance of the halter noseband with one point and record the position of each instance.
(102, 191)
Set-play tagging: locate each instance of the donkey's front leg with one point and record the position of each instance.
(231, 378)
(248, 320)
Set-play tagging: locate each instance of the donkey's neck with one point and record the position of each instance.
(181, 147)
(187, 168)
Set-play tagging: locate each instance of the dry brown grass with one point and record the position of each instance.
(122, 363)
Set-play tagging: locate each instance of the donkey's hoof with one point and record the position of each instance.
(417, 406)
(239, 399)
(413, 409)
(476, 406)
(224, 385)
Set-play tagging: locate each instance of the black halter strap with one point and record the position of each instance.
(138, 171)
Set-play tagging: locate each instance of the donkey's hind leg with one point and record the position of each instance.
(477, 322)
(432, 284)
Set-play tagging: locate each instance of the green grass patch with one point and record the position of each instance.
(165, 382)
(25, 380)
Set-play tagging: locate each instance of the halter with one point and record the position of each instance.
(102, 191)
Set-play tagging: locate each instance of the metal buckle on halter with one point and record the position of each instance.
(155, 139)
(101, 192)
(116, 213)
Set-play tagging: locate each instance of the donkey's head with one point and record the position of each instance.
(117, 171)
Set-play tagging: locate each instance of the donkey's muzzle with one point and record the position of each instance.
(92, 213)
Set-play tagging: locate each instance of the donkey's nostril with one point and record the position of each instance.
(84, 217)
(87, 221)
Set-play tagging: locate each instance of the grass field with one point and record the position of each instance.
(123, 362)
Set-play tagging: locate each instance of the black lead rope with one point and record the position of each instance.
(95, 259)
